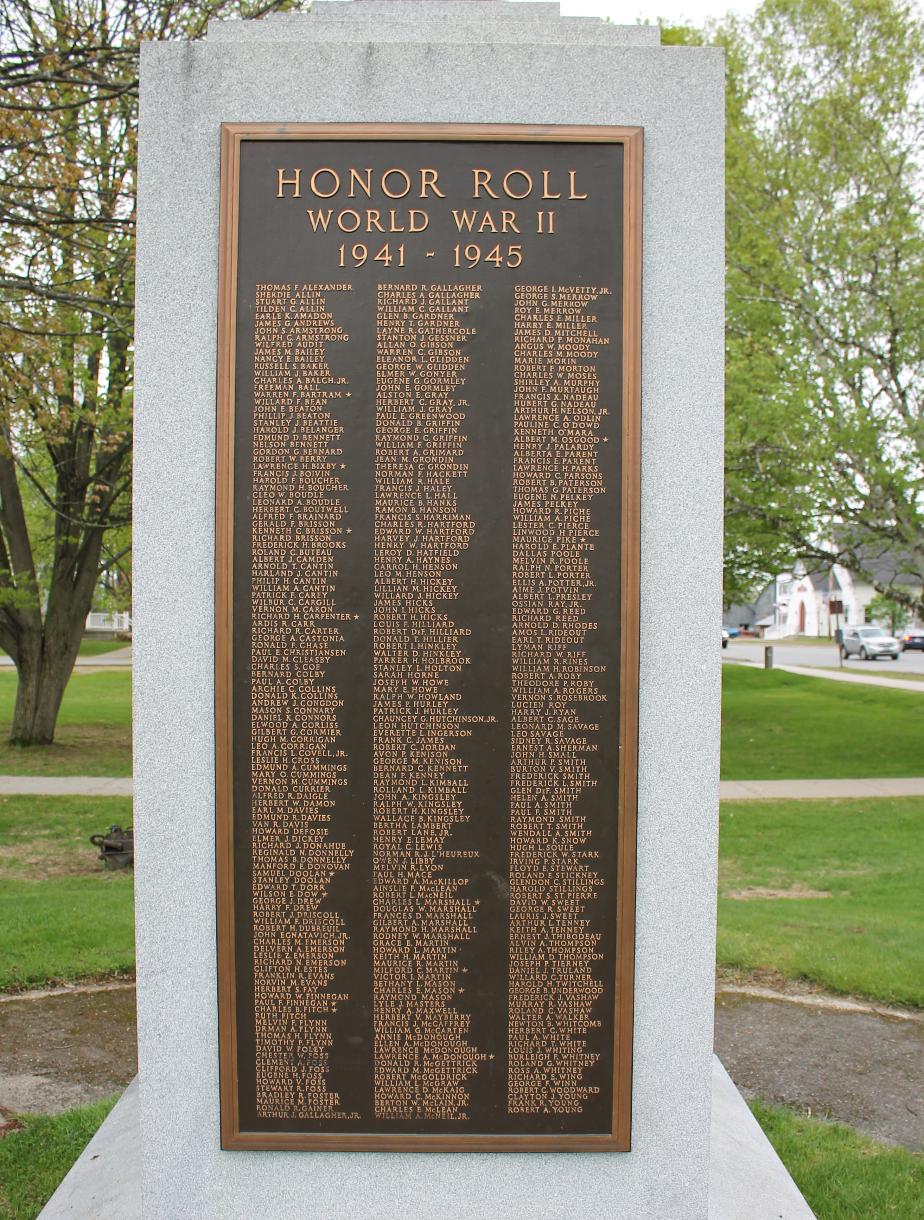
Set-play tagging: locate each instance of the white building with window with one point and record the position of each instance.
(798, 602)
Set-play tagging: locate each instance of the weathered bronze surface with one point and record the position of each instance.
(427, 636)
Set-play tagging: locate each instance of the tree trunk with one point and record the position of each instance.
(38, 700)
(43, 676)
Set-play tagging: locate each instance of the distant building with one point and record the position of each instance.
(107, 626)
(797, 602)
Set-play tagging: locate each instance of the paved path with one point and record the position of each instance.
(818, 789)
(119, 658)
(64, 785)
(838, 675)
(729, 790)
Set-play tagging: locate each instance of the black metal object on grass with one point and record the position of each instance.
(117, 847)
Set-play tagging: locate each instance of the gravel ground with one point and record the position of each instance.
(862, 1069)
(66, 1050)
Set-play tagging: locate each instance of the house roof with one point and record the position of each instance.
(884, 563)
(886, 569)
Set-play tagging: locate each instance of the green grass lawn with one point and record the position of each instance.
(35, 1159)
(94, 728)
(63, 916)
(845, 1175)
(851, 876)
(785, 726)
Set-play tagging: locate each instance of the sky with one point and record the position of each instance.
(625, 12)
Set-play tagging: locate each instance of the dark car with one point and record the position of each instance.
(913, 638)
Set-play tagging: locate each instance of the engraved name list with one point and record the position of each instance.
(426, 801)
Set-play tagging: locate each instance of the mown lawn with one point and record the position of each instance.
(842, 1174)
(94, 735)
(785, 726)
(829, 891)
(35, 1159)
(63, 916)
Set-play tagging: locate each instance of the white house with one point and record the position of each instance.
(105, 624)
(798, 602)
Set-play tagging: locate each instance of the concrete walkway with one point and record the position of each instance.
(729, 790)
(64, 785)
(808, 789)
(119, 658)
(836, 675)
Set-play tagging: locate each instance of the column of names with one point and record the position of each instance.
(297, 766)
(554, 877)
(420, 915)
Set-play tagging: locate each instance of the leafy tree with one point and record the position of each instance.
(759, 482)
(887, 609)
(825, 409)
(68, 121)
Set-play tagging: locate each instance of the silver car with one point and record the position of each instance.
(867, 643)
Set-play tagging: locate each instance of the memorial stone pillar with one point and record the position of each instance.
(428, 570)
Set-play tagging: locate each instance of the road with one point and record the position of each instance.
(823, 656)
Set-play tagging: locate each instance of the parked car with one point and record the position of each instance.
(868, 642)
(724, 638)
(913, 638)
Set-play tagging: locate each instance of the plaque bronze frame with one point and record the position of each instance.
(619, 1138)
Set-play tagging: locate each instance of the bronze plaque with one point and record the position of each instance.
(427, 636)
